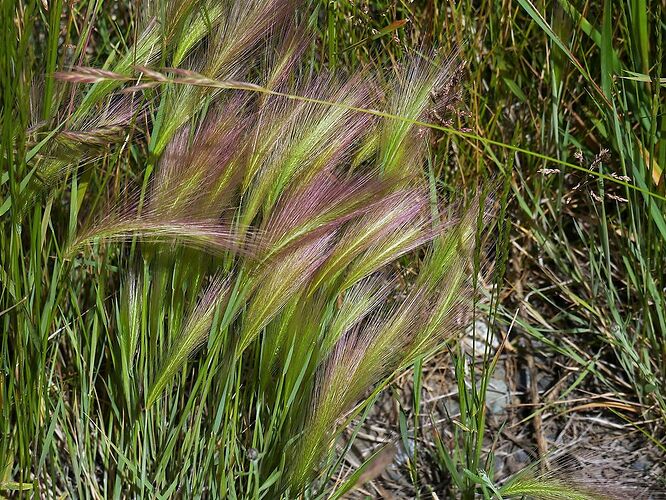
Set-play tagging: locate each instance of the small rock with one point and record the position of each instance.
(643, 464)
(498, 396)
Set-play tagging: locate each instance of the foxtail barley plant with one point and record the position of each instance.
(258, 311)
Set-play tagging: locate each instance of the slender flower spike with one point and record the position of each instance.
(193, 334)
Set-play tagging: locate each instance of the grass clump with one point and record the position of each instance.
(264, 211)
(209, 211)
